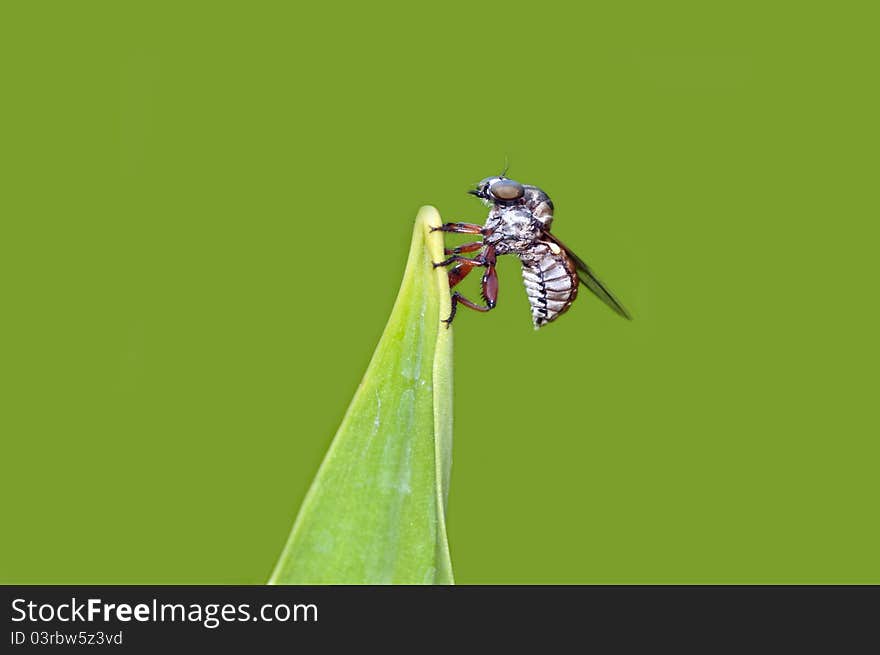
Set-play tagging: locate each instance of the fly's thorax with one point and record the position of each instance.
(514, 229)
(539, 204)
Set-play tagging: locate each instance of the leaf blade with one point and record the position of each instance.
(375, 511)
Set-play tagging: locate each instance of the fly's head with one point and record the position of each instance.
(499, 191)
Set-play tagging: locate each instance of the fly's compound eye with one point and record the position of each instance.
(507, 190)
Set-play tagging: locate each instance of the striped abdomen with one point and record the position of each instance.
(551, 281)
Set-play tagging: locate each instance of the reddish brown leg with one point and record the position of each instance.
(460, 271)
(477, 261)
(489, 286)
(460, 228)
(465, 247)
(463, 265)
(458, 298)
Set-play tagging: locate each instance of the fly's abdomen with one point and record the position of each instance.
(551, 281)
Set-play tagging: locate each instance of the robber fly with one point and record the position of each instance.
(519, 222)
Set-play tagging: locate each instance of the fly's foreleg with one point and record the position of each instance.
(464, 265)
(461, 228)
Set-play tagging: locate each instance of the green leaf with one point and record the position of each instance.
(375, 513)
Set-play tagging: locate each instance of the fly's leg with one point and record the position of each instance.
(458, 298)
(489, 285)
(461, 228)
(460, 271)
(465, 247)
(464, 266)
(476, 261)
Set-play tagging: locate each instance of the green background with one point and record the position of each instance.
(205, 213)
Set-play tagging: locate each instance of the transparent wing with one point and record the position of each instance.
(589, 280)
